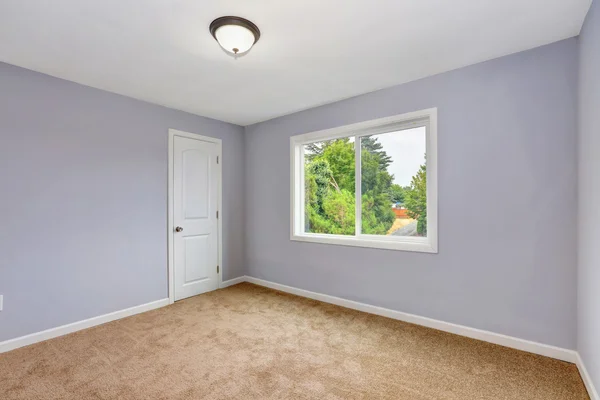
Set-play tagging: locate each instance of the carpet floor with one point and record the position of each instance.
(249, 342)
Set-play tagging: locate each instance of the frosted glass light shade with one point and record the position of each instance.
(234, 34)
(235, 39)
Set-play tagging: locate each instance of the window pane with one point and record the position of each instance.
(394, 183)
(329, 180)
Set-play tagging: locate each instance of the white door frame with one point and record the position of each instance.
(170, 206)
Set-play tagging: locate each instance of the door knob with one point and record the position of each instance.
(178, 229)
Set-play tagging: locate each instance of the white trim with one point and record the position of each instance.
(486, 336)
(432, 181)
(357, 189)
(170, 218)
(79, 325)
(424, 118)
(419, 245)
(587, 380)
(232, 282)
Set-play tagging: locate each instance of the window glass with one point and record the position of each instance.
(394, 183)
(329, 187)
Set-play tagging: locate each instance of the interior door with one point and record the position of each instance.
(195, 201)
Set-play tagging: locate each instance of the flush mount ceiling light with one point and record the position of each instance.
(234, 34)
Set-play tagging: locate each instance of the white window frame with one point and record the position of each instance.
(425, 118)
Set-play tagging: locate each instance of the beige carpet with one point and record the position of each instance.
(248, 342)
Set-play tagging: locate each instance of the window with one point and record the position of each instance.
(371, 184)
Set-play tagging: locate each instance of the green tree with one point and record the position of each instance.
(416, 200)
(339, 209)
(318, 178)
(340, 156)
(329, 191)
(397, 193)
(313, 150)
(377, 214)
(372, 145)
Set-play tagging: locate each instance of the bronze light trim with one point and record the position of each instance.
(231, 20)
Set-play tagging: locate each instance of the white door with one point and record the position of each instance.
(195, 199)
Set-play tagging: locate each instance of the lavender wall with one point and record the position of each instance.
(507, 201)
(83, 204)
(589, 194)
(83, 207)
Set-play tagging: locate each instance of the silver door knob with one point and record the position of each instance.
(178, 229)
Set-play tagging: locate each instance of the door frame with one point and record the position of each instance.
(170, 207)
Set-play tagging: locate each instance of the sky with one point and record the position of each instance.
(407, 149)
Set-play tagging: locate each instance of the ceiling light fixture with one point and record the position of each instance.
(234, 34)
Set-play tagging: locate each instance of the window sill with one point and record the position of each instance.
(416, 244)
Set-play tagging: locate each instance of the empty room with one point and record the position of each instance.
(318, 199)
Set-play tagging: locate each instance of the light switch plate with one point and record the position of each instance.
(1, 301)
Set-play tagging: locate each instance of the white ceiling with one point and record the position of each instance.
(311, 52)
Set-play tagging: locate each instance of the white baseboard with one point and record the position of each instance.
(587, 380)
(88, 323)
(79, 325)
(496, 338)
(232, 282)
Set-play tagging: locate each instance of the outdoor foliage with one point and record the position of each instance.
(416, 200)
(329, 185)
(330, 189)
(397, 193)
